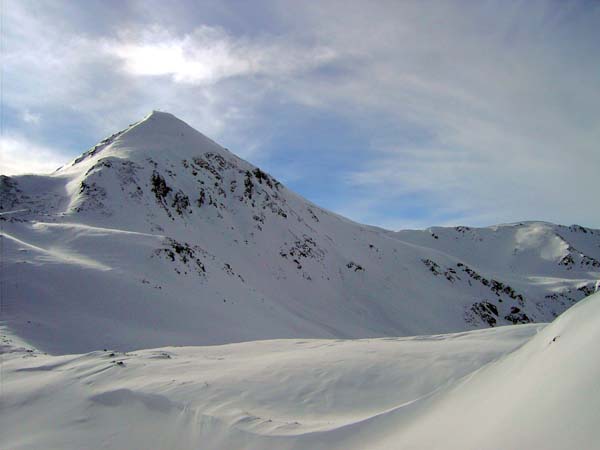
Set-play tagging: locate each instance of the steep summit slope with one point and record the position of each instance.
(159, 236)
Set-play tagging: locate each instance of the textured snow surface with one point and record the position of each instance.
(513, 387)
(158, 236)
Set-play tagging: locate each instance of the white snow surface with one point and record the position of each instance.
(512, 387)
(159, 236)
(161, 293)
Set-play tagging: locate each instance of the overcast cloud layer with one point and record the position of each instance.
(398, 114)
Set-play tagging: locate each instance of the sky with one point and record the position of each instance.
(401, 114)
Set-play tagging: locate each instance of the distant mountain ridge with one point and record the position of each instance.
(159, 236)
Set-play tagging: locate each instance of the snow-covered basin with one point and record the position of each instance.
(177, 395)
(526, 386)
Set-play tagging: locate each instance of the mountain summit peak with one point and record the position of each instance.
(160, 115)
(161, 122)
(157, 133)
(163, 132)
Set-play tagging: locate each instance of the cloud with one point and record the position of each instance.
(87, 71)
(501, 106)
(31, 118)
(19, 156)
(444, 114)
(209, 54)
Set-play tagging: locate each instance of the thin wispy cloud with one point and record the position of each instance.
(18, 155)
(31, 118)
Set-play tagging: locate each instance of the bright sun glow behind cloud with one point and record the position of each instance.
(209, 55)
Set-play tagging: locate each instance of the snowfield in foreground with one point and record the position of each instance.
(513, 387)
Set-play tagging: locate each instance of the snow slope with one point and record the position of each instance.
(544, 395)
(514, 387)
(159, 236)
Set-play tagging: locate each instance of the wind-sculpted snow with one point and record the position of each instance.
(513, 387)
(158, 236)
(264, 394)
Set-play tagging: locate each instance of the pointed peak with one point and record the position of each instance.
(159, 134)
(160, 115)
(164, 127)
(162, 118)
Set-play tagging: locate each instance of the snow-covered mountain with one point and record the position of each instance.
(159, 236)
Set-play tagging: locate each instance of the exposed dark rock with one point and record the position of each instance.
(181, 202)
(355, 266)
(159, 187)
(182, 252)
(486, 311)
